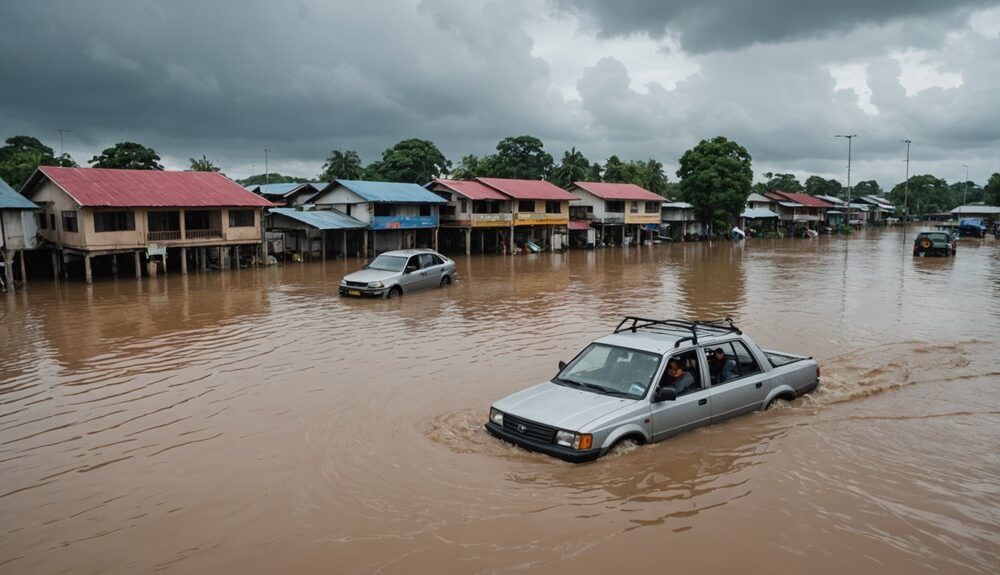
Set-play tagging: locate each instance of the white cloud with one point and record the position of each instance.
(854, 77)
(918, 71)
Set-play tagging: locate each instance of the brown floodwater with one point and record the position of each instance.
(252, 421)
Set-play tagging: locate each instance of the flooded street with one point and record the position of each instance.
(253, 421)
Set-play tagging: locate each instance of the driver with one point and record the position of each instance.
(679, 379)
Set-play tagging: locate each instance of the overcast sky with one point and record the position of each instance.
(637, 78)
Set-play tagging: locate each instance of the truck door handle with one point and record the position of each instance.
(759, 384)
(702, 401)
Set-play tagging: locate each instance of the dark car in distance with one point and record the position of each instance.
(934, 244)
(971, 228)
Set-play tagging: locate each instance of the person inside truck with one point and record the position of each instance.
(682, 381)
(720, 367)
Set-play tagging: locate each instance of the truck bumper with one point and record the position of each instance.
(564, 453)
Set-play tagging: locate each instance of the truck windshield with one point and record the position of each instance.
(611, 370)
(388, 263)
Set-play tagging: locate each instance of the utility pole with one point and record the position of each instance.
(850, 138)
(266, 182)
(965, 193)
(906, 187)
(62, 149)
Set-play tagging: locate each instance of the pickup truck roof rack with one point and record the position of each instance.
(712, 327)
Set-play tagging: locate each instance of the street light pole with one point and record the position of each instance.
(266, 182)
(906, 187)
(850, 138)
(965, 193)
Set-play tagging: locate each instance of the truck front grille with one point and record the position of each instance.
(357, 284)
(529, 429)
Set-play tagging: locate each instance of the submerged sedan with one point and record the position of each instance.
(395, 273)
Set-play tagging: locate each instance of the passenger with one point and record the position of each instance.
(721, 368)
(680, 380)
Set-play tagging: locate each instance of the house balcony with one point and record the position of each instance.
(492, 220)
(163, 236)
(540, 219)
(202, 234)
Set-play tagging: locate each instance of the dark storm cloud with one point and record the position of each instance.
(708, 25)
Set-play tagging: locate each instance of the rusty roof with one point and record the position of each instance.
(471, 189)
(804, 199)
(528, 189)
(611, 191)
(100, 187)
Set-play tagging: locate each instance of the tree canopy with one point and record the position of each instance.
(522, 157)
(21, 155)
(342, 165)
(780, 183)
(203, 164)
(414, 161)
(127, 156)
(270, 178)
(716, 177)
(819, 186)
(574, 167)
(927, 195)
(992, 190)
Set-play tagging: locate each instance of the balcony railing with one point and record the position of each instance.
(198, 234)
(163, 236)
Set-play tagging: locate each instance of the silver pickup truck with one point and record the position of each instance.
(647, 381)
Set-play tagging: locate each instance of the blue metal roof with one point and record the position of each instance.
(392, 192)
(12, 200)
(321, 219)
(754, 213)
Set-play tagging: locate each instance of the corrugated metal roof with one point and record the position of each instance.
(10, 199)
(755, 213)
(832, 199)
(804, 199)
(471, 189)
(677, 205)
(610, 191)
(973, 209)
(755, 197)
(99, 187)
(321, 219)
(391, 192)
(790, 204)
(528, 189)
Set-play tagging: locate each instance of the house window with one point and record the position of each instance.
(526, 206)
(615, 207)
(123, 221)
(425, 210)
(242, 218)
(383, 210)
(633, 207)
(652, 207)
(163, 221)
(69, 221)
(42, 219)
(553, 208)
(52, 222)
(447, 210)
(465, 206)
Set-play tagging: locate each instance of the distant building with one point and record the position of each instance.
(618, 211)
(677, 220)
(477, 218)
(797, 210)
(18, 231)
(312, 233)
(94, 215)
(397, 215)
(540, 212)
(879, 209)
(289, 194)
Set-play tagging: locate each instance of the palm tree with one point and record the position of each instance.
(342, 166)
(203, 164)
(574, 167)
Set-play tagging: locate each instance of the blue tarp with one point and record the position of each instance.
(321, 219)
(392, 192)
(12, 200)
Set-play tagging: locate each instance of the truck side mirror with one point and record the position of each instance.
(562, 365)
(665, 393)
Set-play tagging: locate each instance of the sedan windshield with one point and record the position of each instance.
(388, 263)
(611, 370)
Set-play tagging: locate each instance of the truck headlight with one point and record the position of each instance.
(343, 282)
(574, 440)
(496, 417)
(375, 284)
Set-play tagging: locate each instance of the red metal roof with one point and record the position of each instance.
(618, 191)
(99, 187)
(579, 225)
(527, 189)
(804, 199)
(472, 189)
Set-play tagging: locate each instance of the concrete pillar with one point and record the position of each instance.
(364, 243)
(512, 245)
(184, 261)
(114, 265)
(343, 244)
(8, 270)
(203, 261)
(138, 266)
(234, 257)
(482, 241)
(468, 241)
(65, 266)
(623, 235)
(435, 239)
(551, 234)
(24, 275)
(322, 243)
(86, 269)
(55, 266)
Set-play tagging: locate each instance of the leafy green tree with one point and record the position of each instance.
(992, 190)
(574, 167)
(270, 178)
(414, 161)
(617, 172)
(340, 165)
(865, 188)
(967, 192)
(203, 164)
(21, 156)
(127, 156)
(716, 176)
(653, 178)
(521, 157)
(469, 167)
(782, 183)
(595, 173)
(818, 186)
(927, 195)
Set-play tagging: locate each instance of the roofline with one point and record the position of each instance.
(31, 185)
(478, 179)
(582, 186)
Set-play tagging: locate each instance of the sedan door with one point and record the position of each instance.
(411, 279)
(743, 393)
(431, 269)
